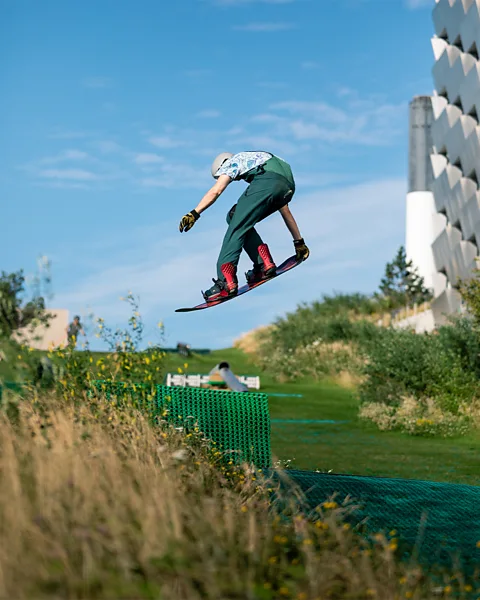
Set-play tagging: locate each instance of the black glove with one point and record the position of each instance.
(301, 250)
(188, 221)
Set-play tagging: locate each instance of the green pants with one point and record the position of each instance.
(268, 192)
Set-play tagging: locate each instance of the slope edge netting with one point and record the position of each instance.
(439, 520)
(238, 423)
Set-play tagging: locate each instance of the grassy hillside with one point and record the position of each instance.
(302, 430)
(321, 430)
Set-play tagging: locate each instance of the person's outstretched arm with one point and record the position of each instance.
(188, 221)
(301, 250)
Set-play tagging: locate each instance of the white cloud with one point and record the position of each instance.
(309, 65)
(68, 174)
(73, 168)
(165, 141)
(282, 147)
(367, 121)
(148, 159)
(272, 85)
(66, 155)
(177, 176)
(414, 4)
(265, 27)
(108, 146)
(97, 82)
(70, 135)
(197, 73)
(209, 114)
(321, 110)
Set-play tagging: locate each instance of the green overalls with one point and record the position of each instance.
(271, 187)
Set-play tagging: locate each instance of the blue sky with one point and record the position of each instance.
(111, 113)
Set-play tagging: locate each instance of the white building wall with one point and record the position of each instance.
(456, 149)
(46, 338)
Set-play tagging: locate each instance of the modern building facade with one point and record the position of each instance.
(455, 159)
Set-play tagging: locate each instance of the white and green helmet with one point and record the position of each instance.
(218, 162)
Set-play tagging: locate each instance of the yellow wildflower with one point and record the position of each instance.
(308, 542)
(280, 539)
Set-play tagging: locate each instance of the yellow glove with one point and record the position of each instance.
(188, 221)
(301, 250)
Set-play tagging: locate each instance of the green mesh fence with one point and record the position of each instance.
(238, 423)
(440, 520)
(436, 522)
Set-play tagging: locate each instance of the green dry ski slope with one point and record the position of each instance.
(321, 431)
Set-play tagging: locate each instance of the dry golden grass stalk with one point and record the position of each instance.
(95, 503)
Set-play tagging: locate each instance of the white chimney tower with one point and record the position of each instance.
(421, 230)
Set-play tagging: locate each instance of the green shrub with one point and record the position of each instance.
(419, 418)
(316, 361)
(402, 363)
(463, 339)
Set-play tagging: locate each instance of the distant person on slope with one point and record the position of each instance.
(271, 188)
(73, 330)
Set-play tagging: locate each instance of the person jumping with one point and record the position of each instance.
(271, 188)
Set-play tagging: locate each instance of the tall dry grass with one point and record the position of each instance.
(95, 503)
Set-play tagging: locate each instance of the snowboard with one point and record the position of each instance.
(287, 265)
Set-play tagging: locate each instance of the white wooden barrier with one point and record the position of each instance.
(173, 379)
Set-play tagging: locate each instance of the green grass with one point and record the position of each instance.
(352, 447)
(348, 446)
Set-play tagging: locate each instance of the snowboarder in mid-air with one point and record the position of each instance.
(271, 188)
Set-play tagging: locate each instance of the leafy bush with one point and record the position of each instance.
(17, 312)
(317, 360)
(463, 339)
(310, 323)
(334, 336)
(72, 370)
(421, 418)
(402, 363)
